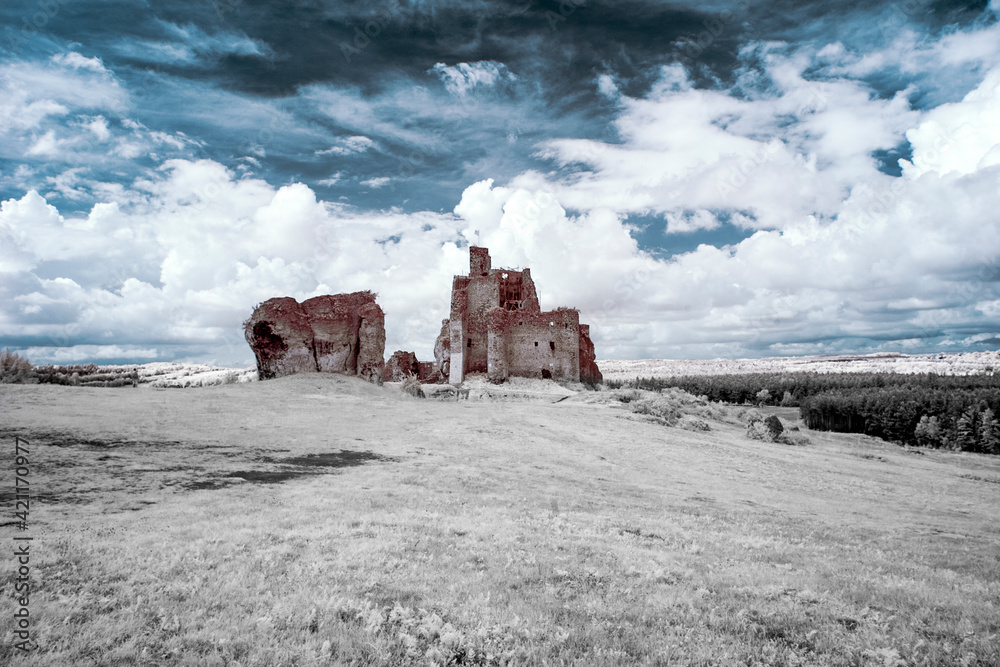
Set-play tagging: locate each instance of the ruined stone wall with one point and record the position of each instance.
(281, 337)
(483, 296)
(479, 262)
(456, 330)
(496, 322)
(531, 300)
(371, 343)
(401, 365)
(335, 333)
(539, 344)
(442, 350)
(335, 322)
(427, 372)
(589, 372)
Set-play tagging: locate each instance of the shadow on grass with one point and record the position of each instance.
(186, 465)
(293, 467)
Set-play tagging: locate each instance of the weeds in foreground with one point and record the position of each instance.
(14, 369)
(411, 385)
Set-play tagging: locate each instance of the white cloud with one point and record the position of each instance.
(77, 61)
(375, 183)
(463, 79)
(332, 180)
(690, 221)
(185, 263)
(349, 146)
(190, 45)
(961, 137)
(98, 126)
(71, 110)
(842, 254)
(792, 151)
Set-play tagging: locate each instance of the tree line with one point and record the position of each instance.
(927, 410)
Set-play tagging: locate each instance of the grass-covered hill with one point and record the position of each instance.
(320, 520)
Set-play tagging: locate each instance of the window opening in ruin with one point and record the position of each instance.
(536, 343)
(546, 374)
(469, 344)
(552, 345)
(504, 276)
(510, 295)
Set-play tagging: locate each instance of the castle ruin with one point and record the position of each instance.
(332, 333)
(497, 327)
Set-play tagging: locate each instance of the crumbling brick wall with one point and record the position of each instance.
(281, 337)
(539, 345)
(442, 350)
(589, 372)
(334, 333)
(371, 342)
(400, 366)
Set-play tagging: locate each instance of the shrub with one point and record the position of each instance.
(767, 429)
(14, 368)
(411, 385)
(659, 408)
(689, 423)
(793, 438)
(626, 396)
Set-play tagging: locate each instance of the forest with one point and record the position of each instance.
(925, 410)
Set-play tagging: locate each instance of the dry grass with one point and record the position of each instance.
(521, 532)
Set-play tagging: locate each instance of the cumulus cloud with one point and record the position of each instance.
(961, 137)
(793, 149)
(837, 252)
(217, 245)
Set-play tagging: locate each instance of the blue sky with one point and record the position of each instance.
(700, 179)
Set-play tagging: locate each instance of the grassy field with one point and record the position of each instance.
(319, 520)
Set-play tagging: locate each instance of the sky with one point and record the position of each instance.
(701, 180)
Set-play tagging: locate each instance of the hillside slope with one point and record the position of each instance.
(318, 519)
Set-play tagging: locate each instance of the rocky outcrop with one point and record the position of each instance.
(333, 333)
(589, 372)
